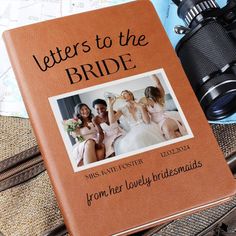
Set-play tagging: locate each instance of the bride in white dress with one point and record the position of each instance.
(142, 133)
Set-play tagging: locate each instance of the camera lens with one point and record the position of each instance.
(218, 96)
(223, 106)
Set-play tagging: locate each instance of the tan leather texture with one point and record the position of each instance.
(119, 212)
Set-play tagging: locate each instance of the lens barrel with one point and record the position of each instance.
(208, 56)
(193, 12)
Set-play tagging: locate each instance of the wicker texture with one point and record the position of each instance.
(16, 135)
(226, 137)
(29, 208)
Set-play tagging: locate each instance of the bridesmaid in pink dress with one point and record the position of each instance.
(111, 131)
(169, 122)
(89, 149)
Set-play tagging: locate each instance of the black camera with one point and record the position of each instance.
(208, 53)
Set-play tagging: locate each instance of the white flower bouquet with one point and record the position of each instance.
(71, 125)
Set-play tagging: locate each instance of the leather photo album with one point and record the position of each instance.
(124, 140)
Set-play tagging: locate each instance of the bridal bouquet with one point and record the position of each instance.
(71, 125)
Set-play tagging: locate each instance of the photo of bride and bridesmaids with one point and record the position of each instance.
(115, 124)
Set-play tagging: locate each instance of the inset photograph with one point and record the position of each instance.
(119, 119)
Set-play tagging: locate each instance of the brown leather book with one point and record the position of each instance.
(146, 157)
